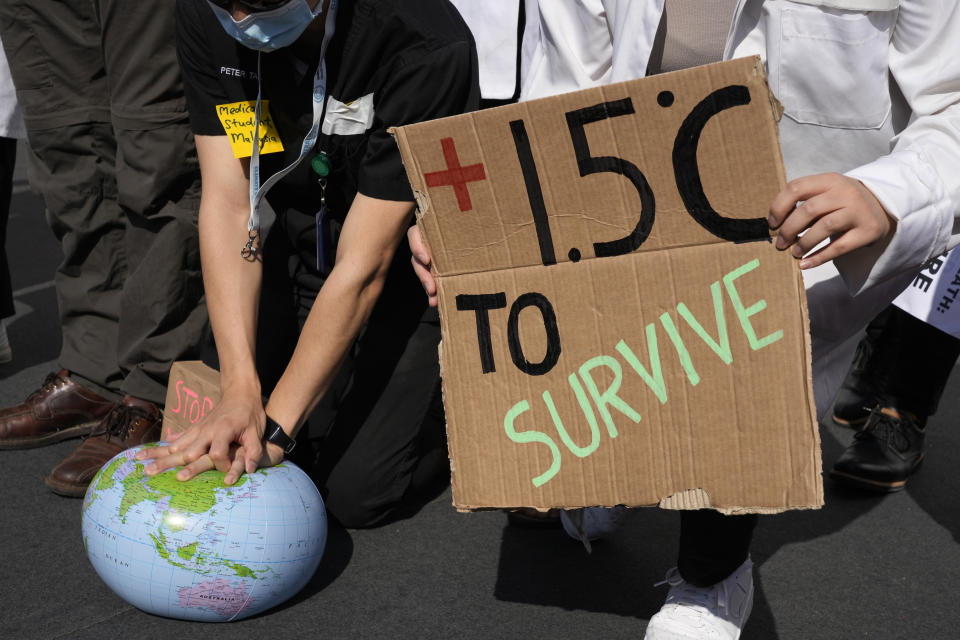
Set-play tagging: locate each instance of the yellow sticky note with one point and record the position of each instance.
(238, 118)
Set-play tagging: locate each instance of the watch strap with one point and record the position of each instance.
(274, 433)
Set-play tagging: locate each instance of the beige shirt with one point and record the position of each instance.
(691, 33)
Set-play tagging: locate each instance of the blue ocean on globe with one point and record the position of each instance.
(202, 550)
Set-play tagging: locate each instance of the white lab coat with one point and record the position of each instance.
(494, 24)
(567, 45)
(871, 88)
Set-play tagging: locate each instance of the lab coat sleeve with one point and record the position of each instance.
(633, 26)
(918, 182)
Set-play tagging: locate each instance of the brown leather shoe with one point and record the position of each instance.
(132, 422)
(58, 410)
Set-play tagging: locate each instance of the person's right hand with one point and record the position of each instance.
(228, 439)
(421, 263)
(812, 209)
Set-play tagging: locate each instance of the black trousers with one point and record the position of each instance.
(713, 545)
(907, 362)
(112, 154)
(377, 437)
(8, 158)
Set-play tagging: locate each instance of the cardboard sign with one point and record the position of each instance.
(238, 119)
(932, 295)
(193, 389)
(617, 326)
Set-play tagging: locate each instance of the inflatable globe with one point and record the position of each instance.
(201, 550)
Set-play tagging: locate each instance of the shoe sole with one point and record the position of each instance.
(65, 490)
(668, 635)
(876, 486)
(50, 438)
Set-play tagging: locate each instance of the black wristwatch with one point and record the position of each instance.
(278, 436)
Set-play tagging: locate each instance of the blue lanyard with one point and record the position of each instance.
(258, 191)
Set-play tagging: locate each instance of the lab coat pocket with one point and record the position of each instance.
(833, 67)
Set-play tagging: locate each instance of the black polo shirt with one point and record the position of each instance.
(390, 62)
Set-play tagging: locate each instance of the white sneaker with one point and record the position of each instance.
(591, 523)
(717, 612)
(6, 354)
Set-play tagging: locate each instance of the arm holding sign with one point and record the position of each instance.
(421, 263)
(916, 184)
(825, 206)
(828, 205)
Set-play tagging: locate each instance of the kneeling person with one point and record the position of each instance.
(345, 336)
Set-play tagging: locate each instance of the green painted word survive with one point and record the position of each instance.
(589, 395)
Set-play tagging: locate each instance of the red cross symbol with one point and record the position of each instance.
(455, 175)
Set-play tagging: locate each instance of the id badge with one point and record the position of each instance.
(321, 240)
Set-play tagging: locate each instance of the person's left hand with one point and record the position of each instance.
(229, 439)
(272, 455)
(828, 205)
(421, 264)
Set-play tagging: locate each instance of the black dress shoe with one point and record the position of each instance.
(853, 406)
(132, 422)
(882, 455)
(858, 395)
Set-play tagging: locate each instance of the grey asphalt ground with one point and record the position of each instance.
(863, 567)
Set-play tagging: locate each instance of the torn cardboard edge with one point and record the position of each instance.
(808, 389)
(689, 500)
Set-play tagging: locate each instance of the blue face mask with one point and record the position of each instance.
(269, 30)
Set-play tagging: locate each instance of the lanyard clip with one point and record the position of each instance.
(251, 250)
